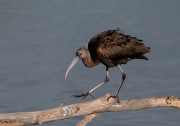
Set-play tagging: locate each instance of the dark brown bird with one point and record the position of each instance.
(111, 48)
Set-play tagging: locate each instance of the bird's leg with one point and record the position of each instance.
(117, 92)
(83, 95)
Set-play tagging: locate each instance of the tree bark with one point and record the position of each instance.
(90, 109)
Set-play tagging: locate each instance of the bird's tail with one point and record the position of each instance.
(142, 57)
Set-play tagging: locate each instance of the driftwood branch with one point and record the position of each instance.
(90, 109)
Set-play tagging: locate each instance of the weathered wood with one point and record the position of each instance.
(91, 109)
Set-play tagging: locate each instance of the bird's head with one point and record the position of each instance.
(80, 54)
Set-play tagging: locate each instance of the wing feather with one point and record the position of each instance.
(114, 45)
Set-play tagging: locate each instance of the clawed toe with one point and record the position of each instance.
(83, 95)
(115, 97)
(78, 95)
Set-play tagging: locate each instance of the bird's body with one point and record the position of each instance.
(111, 48)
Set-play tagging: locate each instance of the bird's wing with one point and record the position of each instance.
(115, 52)
(114, 45)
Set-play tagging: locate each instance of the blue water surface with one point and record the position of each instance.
(38, 40)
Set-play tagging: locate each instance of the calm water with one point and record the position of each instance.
(38, 40)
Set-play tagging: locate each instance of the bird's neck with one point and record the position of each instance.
(88, 62)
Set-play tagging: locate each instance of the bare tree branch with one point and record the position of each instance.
(90, 109)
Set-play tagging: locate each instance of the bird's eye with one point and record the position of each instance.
(80, 54)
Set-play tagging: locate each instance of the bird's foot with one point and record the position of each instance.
(83, 95)
(115, 97)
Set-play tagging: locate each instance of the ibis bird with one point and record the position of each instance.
(111, 48)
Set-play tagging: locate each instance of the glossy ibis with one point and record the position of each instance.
(111, 48)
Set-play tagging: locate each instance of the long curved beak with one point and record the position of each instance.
(71, 65)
